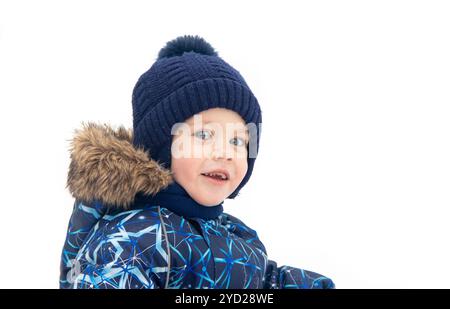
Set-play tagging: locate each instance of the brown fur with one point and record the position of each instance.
(106, 166)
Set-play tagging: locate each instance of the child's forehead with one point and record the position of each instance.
(219, 116)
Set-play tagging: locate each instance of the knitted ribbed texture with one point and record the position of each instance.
(182, 84)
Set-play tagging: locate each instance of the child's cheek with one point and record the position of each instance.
(241, 169)
(181, 167)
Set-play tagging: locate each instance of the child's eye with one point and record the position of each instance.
(237, 141)
(203, 134)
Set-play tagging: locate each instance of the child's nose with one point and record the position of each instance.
(220, 151)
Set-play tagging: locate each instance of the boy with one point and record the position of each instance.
(148, 211)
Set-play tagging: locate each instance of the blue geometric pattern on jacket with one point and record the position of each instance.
(152, 247)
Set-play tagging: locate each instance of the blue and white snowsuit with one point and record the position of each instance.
(115, 241)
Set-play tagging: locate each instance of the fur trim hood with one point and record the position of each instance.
(106, 166)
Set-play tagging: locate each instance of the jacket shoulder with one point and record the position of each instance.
(239, 228)
(127, 247)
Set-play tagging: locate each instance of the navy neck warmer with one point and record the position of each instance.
(176, 199)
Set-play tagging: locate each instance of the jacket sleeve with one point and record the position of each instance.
(286, 277)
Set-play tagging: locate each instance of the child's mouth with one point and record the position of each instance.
(215, 178)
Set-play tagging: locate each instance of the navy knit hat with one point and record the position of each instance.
(187, 78)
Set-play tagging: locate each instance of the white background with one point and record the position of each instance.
(353, 175)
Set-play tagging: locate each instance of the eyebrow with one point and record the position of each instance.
(245, 130)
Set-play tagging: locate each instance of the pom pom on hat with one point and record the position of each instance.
(186, 43)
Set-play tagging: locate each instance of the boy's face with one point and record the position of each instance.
(209, 155)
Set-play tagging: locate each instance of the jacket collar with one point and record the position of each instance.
(176, 199)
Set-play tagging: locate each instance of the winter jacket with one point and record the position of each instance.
(115, 241)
